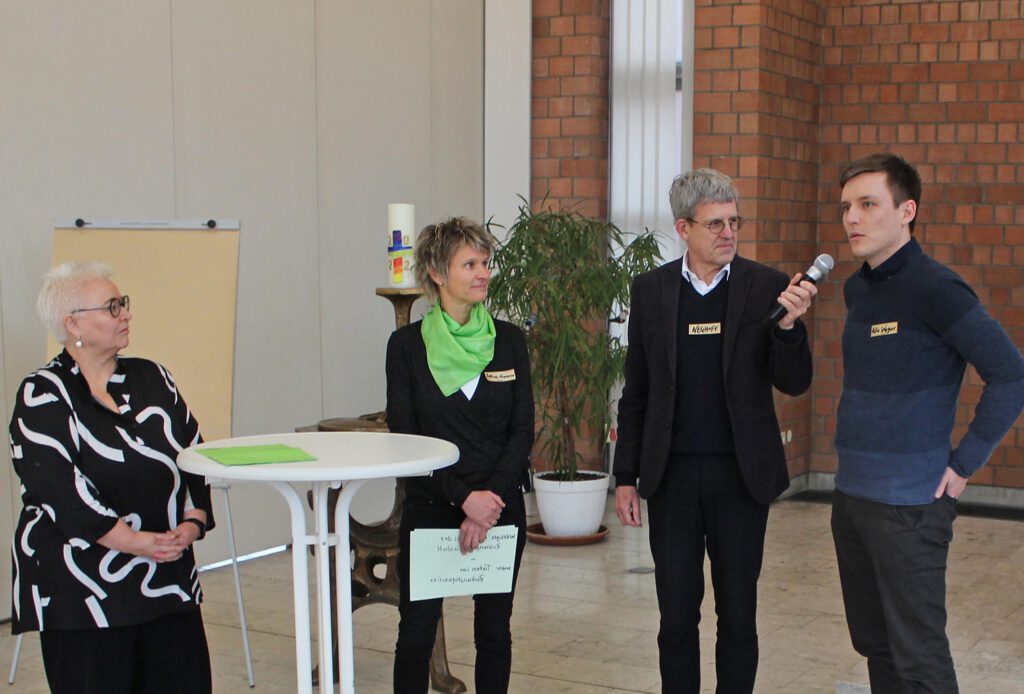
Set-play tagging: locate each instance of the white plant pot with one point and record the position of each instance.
(569, 509)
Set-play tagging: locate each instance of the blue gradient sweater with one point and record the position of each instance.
(912, 325)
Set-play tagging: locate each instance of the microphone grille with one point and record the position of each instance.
(825, 263)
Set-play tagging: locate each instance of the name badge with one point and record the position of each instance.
(705, 328)
(880, 329)
(500, 376)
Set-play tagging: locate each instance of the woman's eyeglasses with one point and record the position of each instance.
(114, 306)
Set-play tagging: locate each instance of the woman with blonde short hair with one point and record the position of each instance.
(462, 376)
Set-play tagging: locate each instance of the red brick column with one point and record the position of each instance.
(786, 93)
(939, 83)
(569, 158)
(756, 95)
(569, 163)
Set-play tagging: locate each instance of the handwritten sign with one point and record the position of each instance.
(437, 569)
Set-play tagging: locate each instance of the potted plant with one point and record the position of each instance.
(563, 276)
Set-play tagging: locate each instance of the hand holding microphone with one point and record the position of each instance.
(795, 301)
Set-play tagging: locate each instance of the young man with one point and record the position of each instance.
(698, 435)
(911, 327)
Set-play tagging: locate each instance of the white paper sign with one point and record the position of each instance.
(437, 569)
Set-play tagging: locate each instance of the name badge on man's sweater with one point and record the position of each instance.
(705, 328)
(881, 329)
(500, 376)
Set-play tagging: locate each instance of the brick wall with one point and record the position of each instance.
(788, 92)
(569, 158)
(756, 108)
(939, 83)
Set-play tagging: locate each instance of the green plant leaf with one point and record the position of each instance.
(573, 273)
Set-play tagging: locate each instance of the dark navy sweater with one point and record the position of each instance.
(912, 325)
(701, 425)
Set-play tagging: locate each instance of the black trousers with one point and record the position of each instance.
(492, 613)
(702, 503)
(892, 567)
(166, 656)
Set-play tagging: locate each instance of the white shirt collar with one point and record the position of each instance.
(702, 287)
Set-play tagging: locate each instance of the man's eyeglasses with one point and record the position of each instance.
(717, 226)
(114, 306)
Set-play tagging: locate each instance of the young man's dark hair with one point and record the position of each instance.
(904, 181)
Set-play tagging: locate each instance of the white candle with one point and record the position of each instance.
(401, 235)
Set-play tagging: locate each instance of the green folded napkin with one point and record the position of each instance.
(257, 455)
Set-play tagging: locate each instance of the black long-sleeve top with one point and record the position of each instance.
(493, 431)
(83, 467)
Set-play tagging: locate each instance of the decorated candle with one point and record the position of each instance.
(401, 234)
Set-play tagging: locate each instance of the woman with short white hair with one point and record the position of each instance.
(103, 561)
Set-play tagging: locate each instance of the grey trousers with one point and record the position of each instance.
(892, 567)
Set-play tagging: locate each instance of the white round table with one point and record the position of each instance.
(343, 459)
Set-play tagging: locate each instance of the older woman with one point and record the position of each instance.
(103, 563)
(462, 376)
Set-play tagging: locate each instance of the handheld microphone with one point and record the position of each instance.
(818, 271)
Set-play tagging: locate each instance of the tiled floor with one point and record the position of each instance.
(582, 623)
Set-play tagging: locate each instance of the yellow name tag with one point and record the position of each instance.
(705, 328)
(500, 376)
(880, 329)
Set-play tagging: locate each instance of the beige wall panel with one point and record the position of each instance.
(85, 130)
(245, 145)
(508, 74)
(374, 144)
(407, 128)
(10, 499)
(245, 148)
(457, 109)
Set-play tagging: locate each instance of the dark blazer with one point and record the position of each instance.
(755, 358)
(494, 430)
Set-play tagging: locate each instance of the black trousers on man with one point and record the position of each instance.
(892, 567)
(703, 504)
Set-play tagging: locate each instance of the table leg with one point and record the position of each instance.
(343, 575)
(300, 587)
(324, 540)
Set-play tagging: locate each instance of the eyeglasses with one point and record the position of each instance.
(114, 306)
(717, 226)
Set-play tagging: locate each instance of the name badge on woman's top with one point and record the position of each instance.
(500, 376)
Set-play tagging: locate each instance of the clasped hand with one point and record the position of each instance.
(170, 545)
(482, 509)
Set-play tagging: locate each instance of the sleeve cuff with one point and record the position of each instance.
(625, 480)
(793, 336)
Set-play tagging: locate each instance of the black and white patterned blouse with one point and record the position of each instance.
(83, 466)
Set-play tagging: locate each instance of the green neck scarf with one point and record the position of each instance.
(456, 354)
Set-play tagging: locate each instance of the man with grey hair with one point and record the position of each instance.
(697, 432)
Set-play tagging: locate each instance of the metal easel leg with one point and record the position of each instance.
(14, 660)
(238, 586)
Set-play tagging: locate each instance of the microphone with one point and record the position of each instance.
(818, 271)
